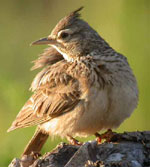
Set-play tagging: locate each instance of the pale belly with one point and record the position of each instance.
(98, 110)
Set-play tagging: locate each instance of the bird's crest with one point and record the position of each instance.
(67, 20)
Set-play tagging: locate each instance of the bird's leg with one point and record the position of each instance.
(73, 141)
(107, 136)
(98, 138)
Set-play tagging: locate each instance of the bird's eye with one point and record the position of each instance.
(64, 35)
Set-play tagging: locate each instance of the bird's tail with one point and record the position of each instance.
(36, 143)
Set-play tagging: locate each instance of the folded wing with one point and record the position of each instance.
(55, 93)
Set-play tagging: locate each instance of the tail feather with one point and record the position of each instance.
(36, 143)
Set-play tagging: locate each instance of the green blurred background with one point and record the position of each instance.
(123, 23)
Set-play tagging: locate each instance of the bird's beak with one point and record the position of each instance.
(44, 41)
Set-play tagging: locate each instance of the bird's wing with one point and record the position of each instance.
(56, 93)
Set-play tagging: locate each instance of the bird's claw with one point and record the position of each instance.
(73, 141)
(106, 136)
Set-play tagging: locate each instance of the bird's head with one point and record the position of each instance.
(72, 37)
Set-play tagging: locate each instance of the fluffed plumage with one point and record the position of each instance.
(85, 85)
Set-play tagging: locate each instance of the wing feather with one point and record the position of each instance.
(55, 96)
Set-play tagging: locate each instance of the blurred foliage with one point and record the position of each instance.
(123, 23)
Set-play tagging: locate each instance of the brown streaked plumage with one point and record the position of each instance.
(85, 85)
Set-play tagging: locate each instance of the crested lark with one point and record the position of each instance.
(84, 87)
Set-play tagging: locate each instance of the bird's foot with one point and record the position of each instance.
(98, 138)
(106, 136)
(73, 141)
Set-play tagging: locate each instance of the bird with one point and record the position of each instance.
(85, 86)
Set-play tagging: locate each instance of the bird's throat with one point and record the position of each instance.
(66, 56)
